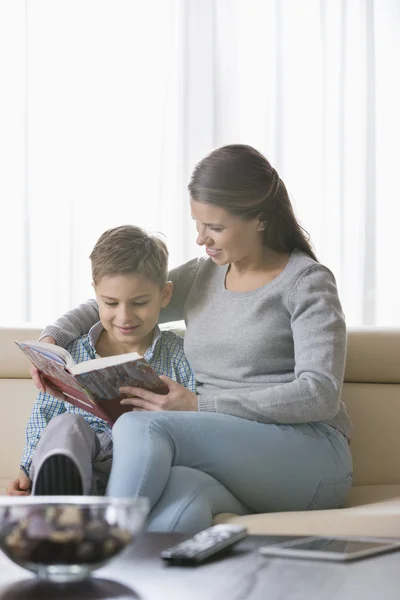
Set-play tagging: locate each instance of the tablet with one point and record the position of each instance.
(337, 549)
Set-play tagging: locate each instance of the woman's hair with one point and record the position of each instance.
(129, 250)
(240, 180)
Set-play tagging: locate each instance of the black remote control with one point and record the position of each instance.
(204, 544)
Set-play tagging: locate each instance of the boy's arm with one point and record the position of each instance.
(73, 324)
(44, 409)
(186, 376)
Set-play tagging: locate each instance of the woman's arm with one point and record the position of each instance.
(73, 324)
(182, 277)
(319, 337)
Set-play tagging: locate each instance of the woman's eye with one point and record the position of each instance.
(139, 303)
(216, 229)
(111, 303)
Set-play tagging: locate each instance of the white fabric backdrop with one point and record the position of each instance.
(106, 105)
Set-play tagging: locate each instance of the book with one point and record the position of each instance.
(93, 385)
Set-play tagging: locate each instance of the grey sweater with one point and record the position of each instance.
(274, 355)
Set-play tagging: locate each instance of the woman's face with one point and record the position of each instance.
(227, 238)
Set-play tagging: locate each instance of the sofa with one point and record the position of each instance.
(371, 392)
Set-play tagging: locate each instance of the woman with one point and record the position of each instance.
(266, 430)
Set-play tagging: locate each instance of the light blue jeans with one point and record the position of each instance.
(193, 465)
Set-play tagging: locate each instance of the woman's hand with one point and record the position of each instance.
(178, 398)
(42, 385)
(19, 487)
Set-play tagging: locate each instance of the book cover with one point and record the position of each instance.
(95, 388)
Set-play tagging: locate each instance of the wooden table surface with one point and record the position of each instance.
(242, 574)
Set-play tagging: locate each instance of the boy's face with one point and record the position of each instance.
(129, 308)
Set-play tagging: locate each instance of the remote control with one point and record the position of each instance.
(204, 544)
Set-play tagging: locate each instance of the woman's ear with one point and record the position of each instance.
(261, 222)
(166, 294)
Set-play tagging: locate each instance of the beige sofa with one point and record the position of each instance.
(372, 395)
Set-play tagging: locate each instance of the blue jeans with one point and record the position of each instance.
(193, 465)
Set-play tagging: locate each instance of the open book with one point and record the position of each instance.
(93, 385)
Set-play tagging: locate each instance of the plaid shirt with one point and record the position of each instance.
(165, 355)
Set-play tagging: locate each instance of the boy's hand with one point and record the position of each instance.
(45, 386)
(178, 398)
(20, 487)
(41, 383)
(35, 373)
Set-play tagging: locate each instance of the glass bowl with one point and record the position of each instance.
(65, 538)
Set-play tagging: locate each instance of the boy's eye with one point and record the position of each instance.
(134, 303)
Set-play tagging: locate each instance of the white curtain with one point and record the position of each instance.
(106, 106)
(91, 108)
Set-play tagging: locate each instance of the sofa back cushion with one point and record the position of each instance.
(374, 409)
(372, 396)
(371, 392)
(16, 400)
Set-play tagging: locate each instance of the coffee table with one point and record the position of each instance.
(240, 574)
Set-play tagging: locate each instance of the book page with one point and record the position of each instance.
(50, 350)
(103, 362)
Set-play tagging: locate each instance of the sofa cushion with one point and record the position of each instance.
(13, 363)
(371, 510)
(17, 397)
(375, 446)
(363, 495)
(373, 355)
(340, 522)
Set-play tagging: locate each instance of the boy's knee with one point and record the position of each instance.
(67, 420)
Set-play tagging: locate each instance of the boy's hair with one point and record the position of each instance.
(130, 250)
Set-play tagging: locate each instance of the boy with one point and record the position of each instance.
(68, 450)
